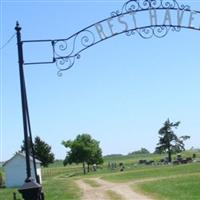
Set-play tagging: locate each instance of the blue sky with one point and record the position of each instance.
(121, 91)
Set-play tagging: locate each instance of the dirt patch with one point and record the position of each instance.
(91, 193)
(123, 189)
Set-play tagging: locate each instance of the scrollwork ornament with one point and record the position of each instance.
(87, 38)
(64, 64)
(131, 32)
(146, 32)
(169, 4)
(155, 4)
(131, 6)
(61, 47)
(176, 28)
(66, 51)
(115, 13)
(137, 5)
(144, 4)
(160, 31)
(184, 7)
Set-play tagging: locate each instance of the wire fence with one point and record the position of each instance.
(58, 171)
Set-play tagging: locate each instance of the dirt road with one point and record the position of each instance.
(99, 193)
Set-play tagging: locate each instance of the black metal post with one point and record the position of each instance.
(30, 133)
(30, 190)
(22, 88)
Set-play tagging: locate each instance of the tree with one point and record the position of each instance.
(96, 154)
(168, 141)
(42, 151)
(83, 150)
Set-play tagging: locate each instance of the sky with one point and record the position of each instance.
(120, 91)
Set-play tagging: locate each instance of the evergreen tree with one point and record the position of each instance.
(168, 141)
(42, 151)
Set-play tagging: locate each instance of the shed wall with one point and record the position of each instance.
(15, 171)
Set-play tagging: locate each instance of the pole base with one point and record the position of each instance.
(31, 190)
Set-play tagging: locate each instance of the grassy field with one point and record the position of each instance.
(179, 188)
(61, 188)
(7, 194)
(152, 172)
(179, 182)
(54, 187)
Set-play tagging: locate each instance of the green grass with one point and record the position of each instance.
(7, 194)
(54, 188)
(180, 188)
(182, 185)
(61, 188)
(91, 182)
(152, 172)
(113, 195)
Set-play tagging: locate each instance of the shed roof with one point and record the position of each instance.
(20, 154)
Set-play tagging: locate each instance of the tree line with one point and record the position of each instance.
(86, 150)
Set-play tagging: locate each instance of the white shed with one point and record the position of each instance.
(15, 170)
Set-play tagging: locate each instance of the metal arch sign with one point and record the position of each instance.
(147, 18)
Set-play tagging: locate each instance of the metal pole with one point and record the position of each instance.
(31, 190)
(30, 132)
(22, 88)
